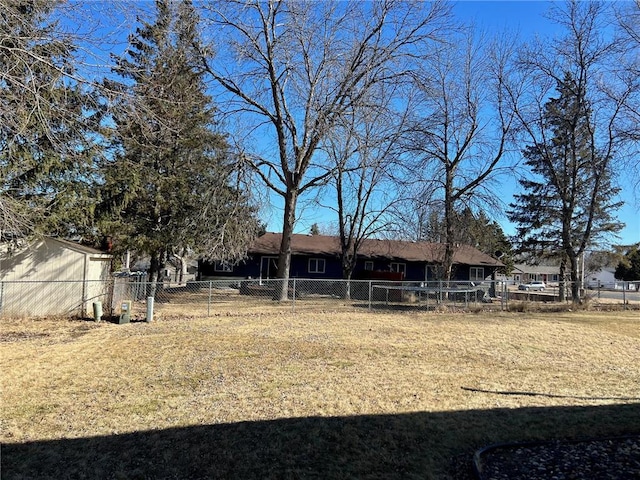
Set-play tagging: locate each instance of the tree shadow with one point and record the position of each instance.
(411, 445)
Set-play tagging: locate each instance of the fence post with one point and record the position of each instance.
(150, 301)
(293, 303)
(209, 301)
(97, 311)
(427, 293)
(624, 294)
(505, 295)
(370, 292)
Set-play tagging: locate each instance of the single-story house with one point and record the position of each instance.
(52, 276)
(170, 273)
(523, 273)
(605, 277)
(550, 274)
(318, 257)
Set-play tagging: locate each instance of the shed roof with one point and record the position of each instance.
(79, 247)
(269, 244)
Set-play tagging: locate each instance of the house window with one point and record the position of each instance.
(368, 266)
(476, 274)
(223, 267)
(316, 265)
(268, 267)
(399, 268)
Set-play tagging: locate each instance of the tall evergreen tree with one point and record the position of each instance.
(48, 125)
(569, 202)
(169, 187)
(469, 228)
(628, 269)
(314, 230)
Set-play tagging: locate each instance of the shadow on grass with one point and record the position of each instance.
(412, 445)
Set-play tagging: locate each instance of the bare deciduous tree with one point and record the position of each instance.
(363, 150)
(460, 131)
(293, 69)
(628, 74)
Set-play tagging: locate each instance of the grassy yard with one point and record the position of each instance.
(264, 393)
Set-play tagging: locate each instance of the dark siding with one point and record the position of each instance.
(300, 267)
(415, 272)
(246, 268)
(250, 267)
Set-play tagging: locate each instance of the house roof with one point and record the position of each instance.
(269, 244)
(536, 269)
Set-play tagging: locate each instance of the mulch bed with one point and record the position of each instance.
(598, 459)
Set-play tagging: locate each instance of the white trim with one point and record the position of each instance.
(318, 262)
(475, 278)
(398, 267)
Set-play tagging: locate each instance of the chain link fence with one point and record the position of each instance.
(132, 294)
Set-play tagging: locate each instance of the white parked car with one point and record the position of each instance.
(534, 286)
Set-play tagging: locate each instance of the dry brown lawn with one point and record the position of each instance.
(264, 393)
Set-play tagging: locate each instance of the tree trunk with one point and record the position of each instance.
(182, 268)
(563, 281)
(575, 281)
(284, 255)
(348, 259)
(448, 220)
(347, 287)
(156, 265)
(348, 263)
(154, 273)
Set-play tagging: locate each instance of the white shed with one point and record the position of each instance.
(52, 276)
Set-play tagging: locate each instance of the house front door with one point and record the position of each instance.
(268, 267)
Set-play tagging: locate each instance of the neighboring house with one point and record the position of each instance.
(550, 274)
(605, 278)
(52, 277)
(170, 273)
(523, 273)
(318, 256)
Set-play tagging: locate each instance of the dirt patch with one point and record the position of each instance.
(18, 336)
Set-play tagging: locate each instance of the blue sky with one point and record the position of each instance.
(526, 19)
